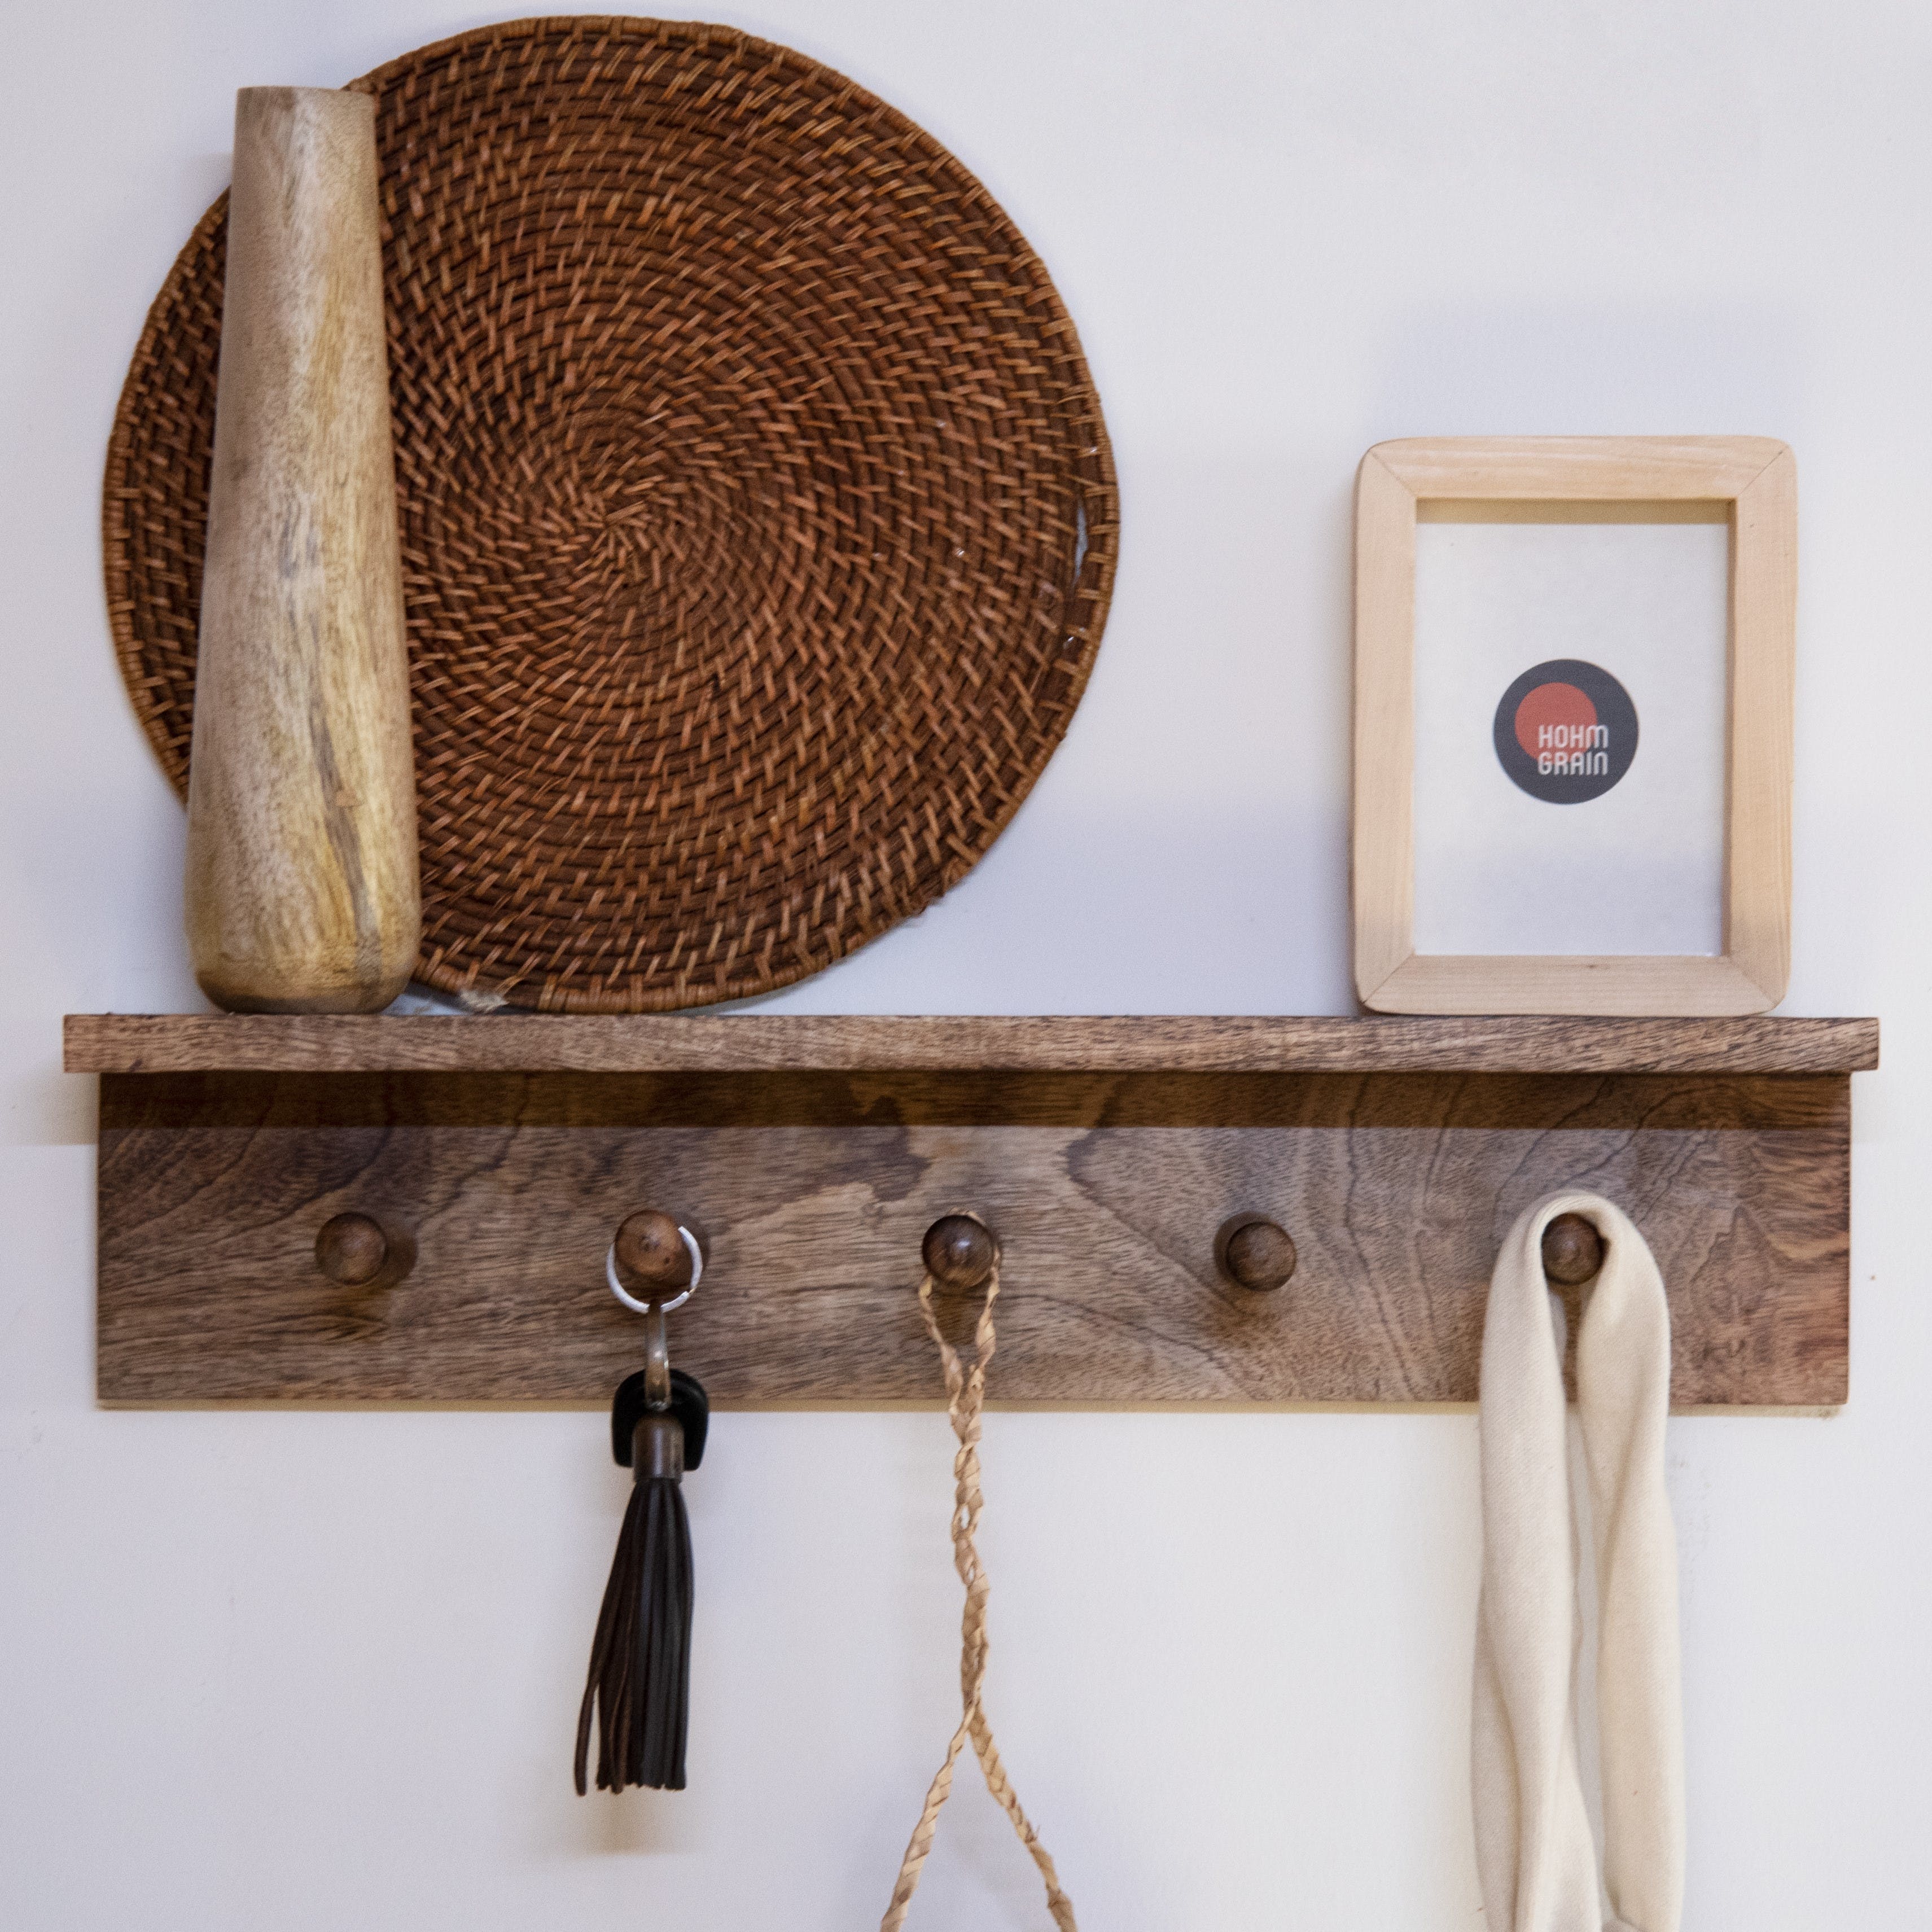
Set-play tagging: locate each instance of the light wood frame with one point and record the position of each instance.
(1750, 482)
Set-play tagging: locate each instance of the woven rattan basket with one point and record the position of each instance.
(758, 517)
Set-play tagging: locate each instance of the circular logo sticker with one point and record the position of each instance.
(1566, 731)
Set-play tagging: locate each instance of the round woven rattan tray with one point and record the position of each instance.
(758, 520)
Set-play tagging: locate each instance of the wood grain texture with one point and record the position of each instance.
(1255, 1254)
(1573, 1250)
(1382, 850)
(812, 1193)
(748, 1042)
(301, 886)
(1764, 671)
(1628, 985)
(1600, 468)
(1750, 480)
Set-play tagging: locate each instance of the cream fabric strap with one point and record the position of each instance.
(1533, 1850)
(966, 1395)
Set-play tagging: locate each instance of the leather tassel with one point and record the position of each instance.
(640, 1678)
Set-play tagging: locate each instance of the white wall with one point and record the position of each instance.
(315, 1670)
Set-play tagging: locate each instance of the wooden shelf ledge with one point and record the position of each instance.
(751, 1043)
(810, 1156)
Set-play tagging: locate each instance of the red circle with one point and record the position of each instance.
(1562, 711)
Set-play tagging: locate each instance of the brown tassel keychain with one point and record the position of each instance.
(640, 1680)
(965, 1235)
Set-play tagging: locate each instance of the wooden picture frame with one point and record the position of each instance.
(1752, 482)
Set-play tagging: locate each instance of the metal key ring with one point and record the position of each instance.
(631, 1302)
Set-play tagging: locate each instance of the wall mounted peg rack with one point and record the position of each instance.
(1203, 1210)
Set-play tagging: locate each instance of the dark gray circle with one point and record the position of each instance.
(1570, 771)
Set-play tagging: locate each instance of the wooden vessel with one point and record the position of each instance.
(301, 888)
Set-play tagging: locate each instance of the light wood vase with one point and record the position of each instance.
(302, 889)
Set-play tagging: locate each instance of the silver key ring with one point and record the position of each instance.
(657, 1354)
(631, 1302)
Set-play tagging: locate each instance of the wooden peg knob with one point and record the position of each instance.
(959, 1252)
(1255, 1254)
(651, 1250)
(1573, 1250)
(357, 1251)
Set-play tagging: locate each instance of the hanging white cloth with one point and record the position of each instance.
(1534, 1853)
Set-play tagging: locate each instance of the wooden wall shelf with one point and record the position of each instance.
(752, 1043)
(812, 1154)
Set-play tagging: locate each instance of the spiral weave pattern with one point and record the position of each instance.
(758, 518)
